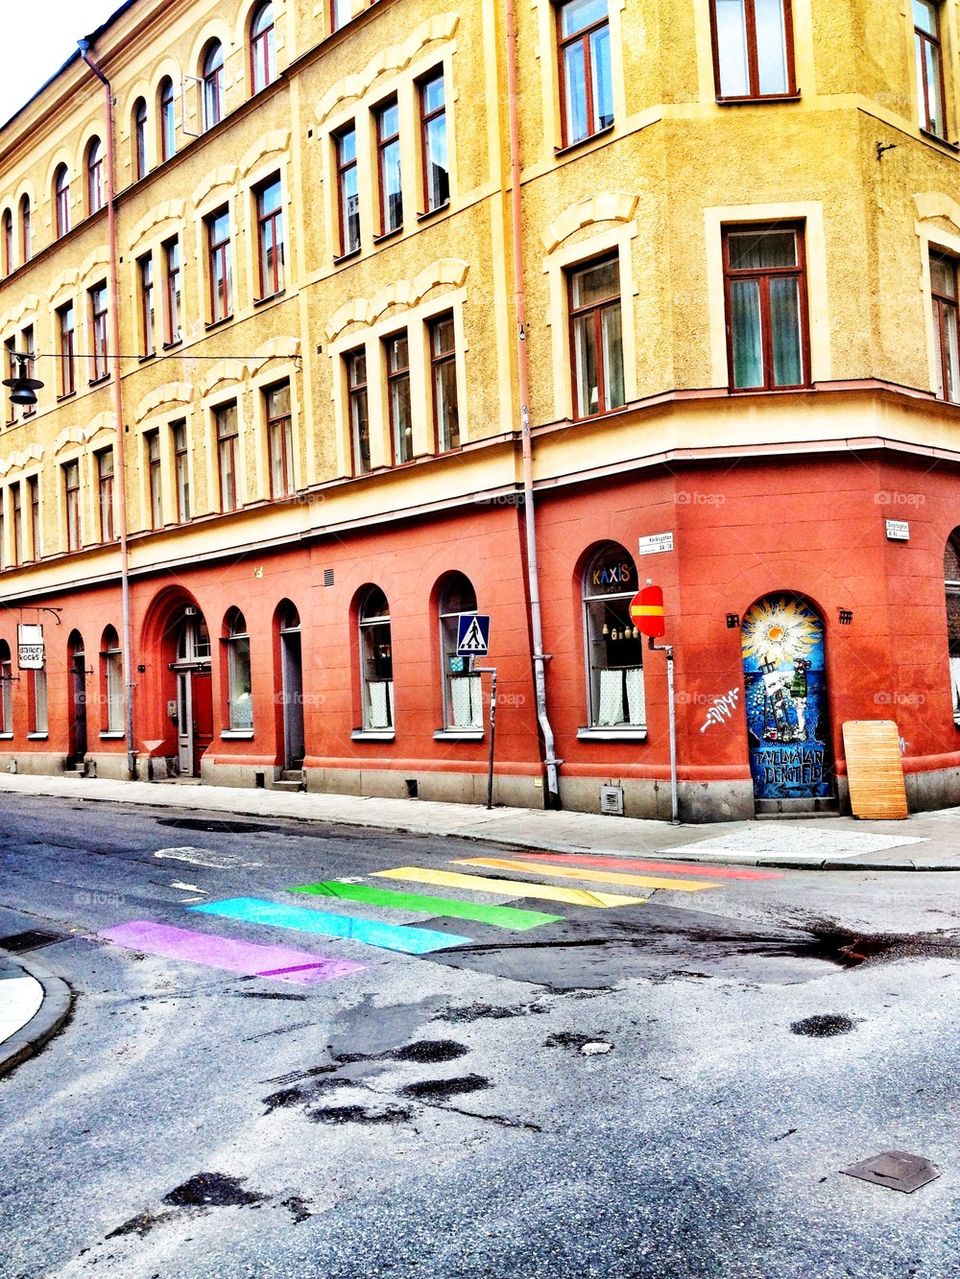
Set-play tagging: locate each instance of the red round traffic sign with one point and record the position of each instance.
(647, 611)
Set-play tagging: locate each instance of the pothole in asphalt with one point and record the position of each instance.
(429, 1050)
(480, 1012)
(441, 1089)
(212, 1190)
(570, 1039)
(360, 1115)
(823, 1025)
(219, 825)
(284, 1098)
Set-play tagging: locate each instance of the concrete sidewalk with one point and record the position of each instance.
(34, 1004)
(925, 841)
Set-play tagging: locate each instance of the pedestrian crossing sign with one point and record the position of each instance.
(473, 635)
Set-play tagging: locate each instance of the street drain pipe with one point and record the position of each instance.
(120, 493)
(551, 762)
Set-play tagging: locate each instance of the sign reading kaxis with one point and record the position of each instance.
(647, 611)
(30, 651)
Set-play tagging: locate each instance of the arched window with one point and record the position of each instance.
(263, 58)
(376, 660)
(6, 690)
(25, 235)
(111, 681)
(462, 692)
(94, 168)
(7, 241)
(239, 701)
(613, 646)
(61, 199)
(139, 135)
(211, 73)
(951, 584)
(168, 135)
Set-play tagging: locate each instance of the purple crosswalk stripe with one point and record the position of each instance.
(246, 959)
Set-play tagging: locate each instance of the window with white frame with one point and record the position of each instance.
(951, 586)
(376, 660)
(462, 687)
(111, 660)
(37, 689)
(6, 690)
(613, 646)
(239, 675)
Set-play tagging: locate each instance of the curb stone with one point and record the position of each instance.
(50, 1017)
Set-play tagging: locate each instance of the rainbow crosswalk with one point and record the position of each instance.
(233, 954)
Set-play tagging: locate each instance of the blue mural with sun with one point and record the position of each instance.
(786, 699)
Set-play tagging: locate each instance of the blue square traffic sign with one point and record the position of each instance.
(473, 635)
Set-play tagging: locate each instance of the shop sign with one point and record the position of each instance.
(30, 650)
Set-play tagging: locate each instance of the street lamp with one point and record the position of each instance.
(23, 388)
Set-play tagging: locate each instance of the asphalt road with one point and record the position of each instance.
(646, 1090)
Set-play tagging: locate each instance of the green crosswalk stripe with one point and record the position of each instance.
(498, 916)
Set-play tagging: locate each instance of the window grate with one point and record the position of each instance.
(328, 578)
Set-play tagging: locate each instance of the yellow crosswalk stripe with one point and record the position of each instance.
(510, 888)
(597, 876)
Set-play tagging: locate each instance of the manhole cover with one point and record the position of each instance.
(19, 943)
(896, 1170)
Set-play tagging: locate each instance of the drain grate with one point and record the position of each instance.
(896, 1170)
(20, 943)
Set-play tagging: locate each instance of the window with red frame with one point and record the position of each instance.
(168, 131)
(140, 139)
(585, 77)
(356, 366)
(595, 337)
(269, 237)
(95, 189)
(433, 142)
(443, 366)
(219, 265)
(171, 288)
(752, 49)
(105, 493)
(279, 439)
(151, 440)
(398, 396)
(211, 77)
(944, 293)
(263, 58)
(67, 333)
(387, 117)
(929, 56)
(62, 200)
(766, 307)
(147, 316)
(71, 494)
(345, 146)
(228, 434)
(98, 332)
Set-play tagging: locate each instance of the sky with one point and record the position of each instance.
(38, 37)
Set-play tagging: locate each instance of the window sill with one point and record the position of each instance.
(373, 735)
(388, 235)
(615, 733)
(67, 395)
(759, 100)
(598, 417)
(150, 355)
(38, 737)
(458, 735)
(935, 137)
(269, 297)
(237, 735)
(6, 737)
(113, 736)
(168, 346)
(582, 142)
(432, 213)
(216, 324)
(346, 257)
(99, 381)
(769, 390)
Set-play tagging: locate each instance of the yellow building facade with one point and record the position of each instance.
(367, 383)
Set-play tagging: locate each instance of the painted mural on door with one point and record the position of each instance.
(786, 700)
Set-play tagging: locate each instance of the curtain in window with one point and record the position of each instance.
(785, 324)
(747, 350)
(611, 699)
(636, 700)
(955, 685)
(466, 701)
(379, 712)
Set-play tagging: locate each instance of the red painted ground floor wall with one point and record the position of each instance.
(812, 530)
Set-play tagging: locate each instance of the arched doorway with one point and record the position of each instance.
(291, 685)
(76, 700)
(785, 687)
(193, 709)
